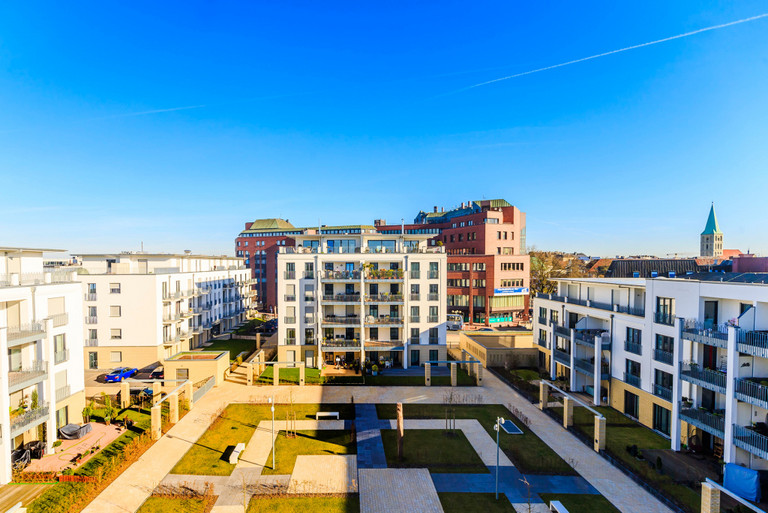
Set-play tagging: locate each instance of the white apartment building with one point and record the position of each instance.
(354, 293)
(142, 308)
(41, 339)
(687, 357)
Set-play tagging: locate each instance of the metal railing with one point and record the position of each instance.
(384, 298)
(750, 441)
(63, 392)
(340, 342)
(350, 321)
(91, 342)
(384, 274)
(289, 275)
(290, 297)
(703, 333)
(309, 319)
(415, 297)
(415, 318)
(61, 356)
(633, 347)
(29, 418)
(290, 341)
(433, 275)
(753, 342)
(751, 392)
(708, 421)
(343, 298)
(432, 318)
(34, 370)
(664, 318)
(433, 297)
(708, 378)
(660, 355)
(562, 357)
(289, 320)
(91, 296)
(633, 380)
(341, 275)
(384, 320)
(200, 392)
(662, 392)
(415, 275)
(27, 329)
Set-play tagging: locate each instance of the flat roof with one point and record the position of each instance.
(608, 281)
(14, 249)
(162, 255)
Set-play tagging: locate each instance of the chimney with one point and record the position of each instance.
(442, 209)
(379, 222)
(434, 209)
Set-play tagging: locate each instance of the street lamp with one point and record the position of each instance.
(499, 422)
(272, 407)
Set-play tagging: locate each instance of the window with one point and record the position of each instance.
(394, 333)
(433, 336)
(478, 301)
(661, 419)
(91, 288)
(433, 355)
(665, 310)
(631, 404)
(414, 336)
(92, 334)
(432, 314)
(114, 311)
(116, 334)
(290, 336)
(554, 317)
(415, 314)
(91, 311)
(309, 336)
(115, 356)
(114, 288)
(62, 417)
(665, 343)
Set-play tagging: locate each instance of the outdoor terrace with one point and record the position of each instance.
(708, 378)
(33, 373)
(710, 422)
(706, 333)
(25, 333)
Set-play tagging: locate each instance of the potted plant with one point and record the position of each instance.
(375, 370)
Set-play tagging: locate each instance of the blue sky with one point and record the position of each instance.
(348, 112)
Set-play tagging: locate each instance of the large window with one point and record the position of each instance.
(631, 404)
(661, 419)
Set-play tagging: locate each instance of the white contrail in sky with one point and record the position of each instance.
(679, 36)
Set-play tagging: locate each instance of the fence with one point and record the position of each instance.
(200, 392)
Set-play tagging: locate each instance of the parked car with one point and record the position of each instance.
(486, 329)
(119, 374)
(157, 373)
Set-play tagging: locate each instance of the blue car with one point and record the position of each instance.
(119, 374)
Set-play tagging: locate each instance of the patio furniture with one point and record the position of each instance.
(74, 431)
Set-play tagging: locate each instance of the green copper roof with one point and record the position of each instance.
(712, 226)
(496, 203)
(270, 224)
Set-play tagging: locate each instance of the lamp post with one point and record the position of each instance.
(272, 407)
(497, 428)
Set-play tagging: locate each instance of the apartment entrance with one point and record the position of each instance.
(93, 360)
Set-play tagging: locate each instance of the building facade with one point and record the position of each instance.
(142, 308)
(687, 357)
(358, 295)
(41, 339)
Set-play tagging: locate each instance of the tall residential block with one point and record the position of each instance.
(41, 340)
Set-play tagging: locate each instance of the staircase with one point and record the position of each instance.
(238, 376)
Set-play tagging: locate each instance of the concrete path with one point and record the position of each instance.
(326, 473)
(370, 448)
(399, 490)
(131, 488)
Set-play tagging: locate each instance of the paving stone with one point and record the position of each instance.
(401, 490)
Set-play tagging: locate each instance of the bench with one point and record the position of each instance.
(328, 414)
(236, 453)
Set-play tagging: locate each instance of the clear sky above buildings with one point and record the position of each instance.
(173, 124)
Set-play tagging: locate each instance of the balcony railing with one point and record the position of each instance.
(753, 342)
(433, 275)
(704, 333)
(383, 343)
(61, 356)
(588, 336)
(25, 376)
(415, 275)
(584, 366)
(29, 419)
(289, 320)
(703, 419)
(664, 318)
(551, 297)
(542, 343)
(91, 296)
(290, 341)
(59, 319)
(309, 319)
(750, 441)
(415, 297)
(434, 340)
(633, 380)
(290, 297)
(28, 331)
(415, 318)
(289, 275)
(562, 357)
(348, 321)
(543, 321)
(340, 342)
(309, 298)
(660, 355)
(62, 393)
(384, 298)
(384, 274)
(26, 279)
(662, 392)
(562, 331)
(342, 298)
(341, 275)
(91, 342)
(633, 347)
(309, 274)
(383, 320)
(752, 393)
(708, 378)
(639, 312)
(432, 318)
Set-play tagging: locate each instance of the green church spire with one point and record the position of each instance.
(712, 226)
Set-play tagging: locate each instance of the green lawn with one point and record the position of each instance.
(527, 451)
(621, 432)
(290, 376)
(246, 328)
(577, 503)
(307, 443)
(433, 449)
(234, 346)
(463, 380)
(173, 505)
(454, 502)
(283, 504)
(237, 424)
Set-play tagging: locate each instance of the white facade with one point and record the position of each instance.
(41, 340)
(362, 296)
(141, 308)
(697, 347)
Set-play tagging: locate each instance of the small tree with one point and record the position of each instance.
(109, 410)
(88, 410)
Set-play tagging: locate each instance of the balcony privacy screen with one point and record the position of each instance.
(742, 481)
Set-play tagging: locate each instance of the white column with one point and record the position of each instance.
(598, 353)
(49, 384)
(5, 417)
(732, 372)
(552, 344)
(677, 385)
(573, 352)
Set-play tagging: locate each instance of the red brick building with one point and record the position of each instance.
(488, 267)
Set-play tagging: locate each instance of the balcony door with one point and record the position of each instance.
(573, 318)
(710, 314)
(710, 357)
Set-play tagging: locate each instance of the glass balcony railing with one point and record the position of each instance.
(342, 298)
(29, 419)
(384, 298)
(341, 275)
(562, 331)
(347, 321)
(633, 380)
(664, 318)
(633, 347)
(660, 355)
(662, 392)
(30, 374)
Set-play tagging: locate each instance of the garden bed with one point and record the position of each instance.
(433, 449)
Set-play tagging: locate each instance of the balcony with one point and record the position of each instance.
(633, 347)
(587, 337)
(61, 356)
(752, 393)
(26, 279)
(341, 275)
(290, 297)
(289, 275)
(290, 341)
(631, 379)
(33, 373)
(342, 298)
(665, 318)
(639, 312)
(551, 297)
(562, 357)
(584, 366)
(170, 318)
(29, 419)
(562, 331)
(434, 340)
(433, 297)
(384, 275)
(433, 319)
(542, 343)
(703, 419)
(90, 296)
(662, 392)
(384, 298)
(433, 275)
(382, 345)
(415, 318)
(708, 378)
(753, 342)
(309, 275)
(415, 297)
(705, 333)
(383, 320)
(173, 339)
(309, 298)
(341, 320)
(660, 355)
(60, 320)
(62, 393)
(751, 441)
(340, 343)
(91, 342)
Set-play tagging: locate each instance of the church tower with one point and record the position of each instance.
(711, 237)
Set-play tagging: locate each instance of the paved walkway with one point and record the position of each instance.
(399, 490)
(324, 473)
(370, 448)
(131, 488)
